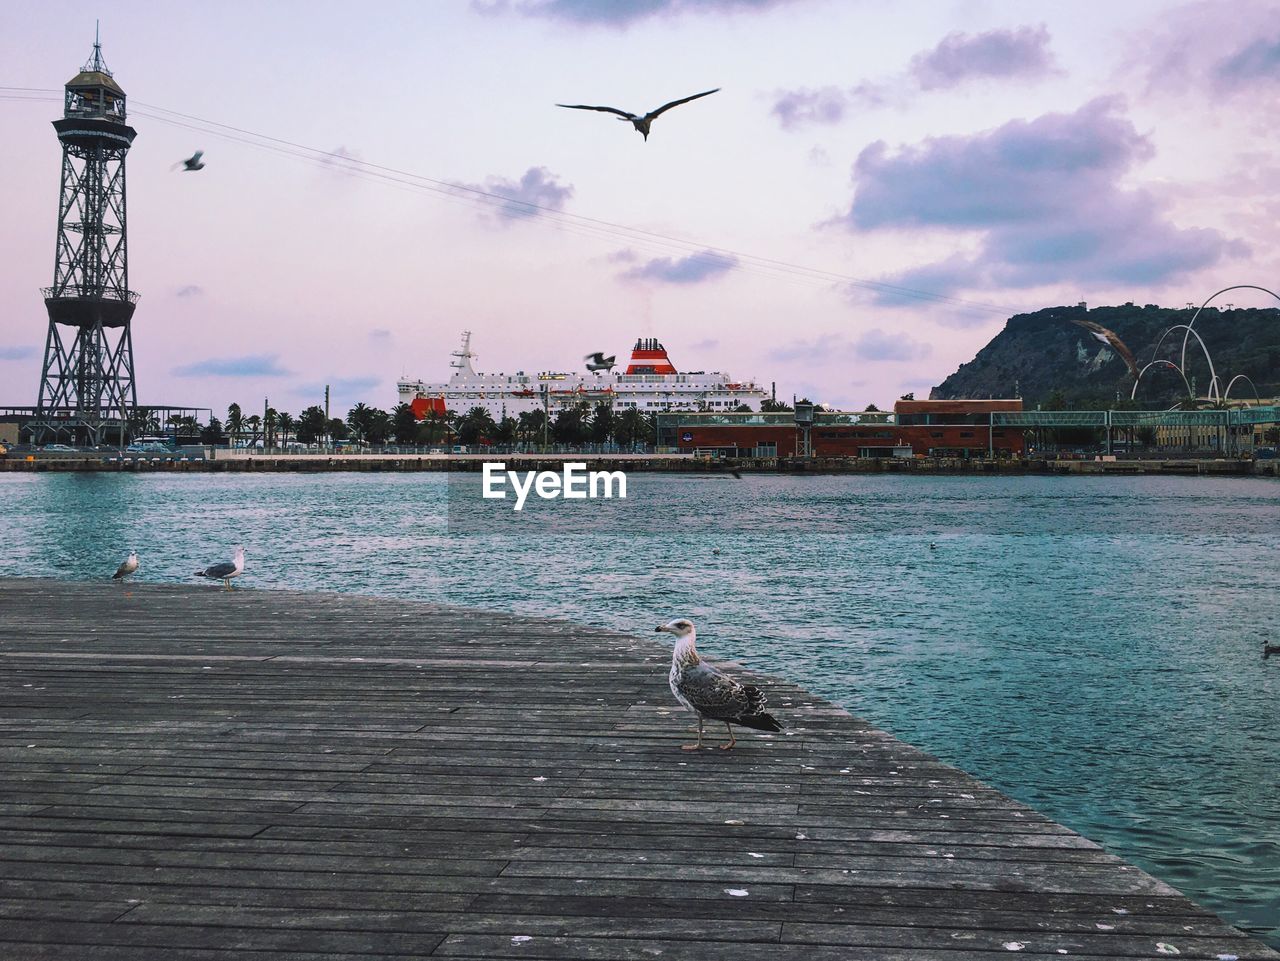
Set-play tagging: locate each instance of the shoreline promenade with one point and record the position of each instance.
(190, 773)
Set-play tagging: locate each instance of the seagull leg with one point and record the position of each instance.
(694, 747)
(732, 740)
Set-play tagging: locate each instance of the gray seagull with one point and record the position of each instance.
(708, 692)
(598, 361)
(191, 163)
(226, 570)
(127, 567)
(640, 123)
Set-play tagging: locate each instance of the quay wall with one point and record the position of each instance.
(650, 463)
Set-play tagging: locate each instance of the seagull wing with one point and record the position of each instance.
(1113, 340)
(596, 358)
(583, 106)
(219, 570)
(713, 693)
(675, 103)
(195, 157)
(122, 570)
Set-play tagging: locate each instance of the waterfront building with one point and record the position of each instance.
(935, 428)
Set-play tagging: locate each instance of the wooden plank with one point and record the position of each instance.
(186, 772)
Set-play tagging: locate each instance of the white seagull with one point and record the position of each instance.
(708, 692)
(640, 123)
(225, 571)
(191, 163)
(127, 567)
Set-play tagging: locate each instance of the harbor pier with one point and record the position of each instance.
(194, 773)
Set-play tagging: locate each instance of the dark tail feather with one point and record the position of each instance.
(761, 722)
(199, 574)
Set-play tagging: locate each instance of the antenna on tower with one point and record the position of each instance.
(96, 63)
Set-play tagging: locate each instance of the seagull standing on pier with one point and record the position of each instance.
(640, 123)
(225, 571)
(127, 567)
(710, 693)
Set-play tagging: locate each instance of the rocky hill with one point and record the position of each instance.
(1043, 355)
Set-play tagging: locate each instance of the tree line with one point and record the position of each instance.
(579, 424)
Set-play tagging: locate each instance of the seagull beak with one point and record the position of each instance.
(660, 628)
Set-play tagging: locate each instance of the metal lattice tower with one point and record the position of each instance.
(86, 386)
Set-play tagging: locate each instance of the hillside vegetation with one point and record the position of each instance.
(1044, 356)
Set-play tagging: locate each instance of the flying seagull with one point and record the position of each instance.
(640, 123)
(191, 163)
(1108, 337)
(712, 693)
(127, 567)
(598, 361)
(226, 570)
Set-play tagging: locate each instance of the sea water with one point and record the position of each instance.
(1089, 645)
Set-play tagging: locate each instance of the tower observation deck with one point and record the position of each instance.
(87, 390)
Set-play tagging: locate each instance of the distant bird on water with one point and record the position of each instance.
(127, 567)
(1108, 337)
(598, 361)
(710, 693)
(640, 123)
(191, 163)
(226, 570)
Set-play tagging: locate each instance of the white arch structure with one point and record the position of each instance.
(1226, 394)
(1206, 304)
(1161, 363)
(1181, 369)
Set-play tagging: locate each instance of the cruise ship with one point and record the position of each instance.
(650, 382)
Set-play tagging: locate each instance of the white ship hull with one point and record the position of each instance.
(650, 384)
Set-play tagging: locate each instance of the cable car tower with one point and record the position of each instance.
(86, 385)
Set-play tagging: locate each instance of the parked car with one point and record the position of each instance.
(58, 448)
(459, 448)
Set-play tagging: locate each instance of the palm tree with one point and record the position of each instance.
(286, 424)
(476, 424)
(311, 424)
(530, 426)
(632, 428)
(212, 432)
(377, 426)
(358, 420)
(505, 431)
(235, 423)
(405, 424)
(602, 423)
(570, 425)
(253, 423)
(269, 421)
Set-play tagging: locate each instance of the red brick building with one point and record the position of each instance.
(938, 428)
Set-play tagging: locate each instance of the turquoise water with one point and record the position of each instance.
(1091, 646)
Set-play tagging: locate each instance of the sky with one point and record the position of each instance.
(876, 187)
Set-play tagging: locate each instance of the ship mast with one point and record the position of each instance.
(465, 356)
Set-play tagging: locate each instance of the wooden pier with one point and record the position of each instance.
(195, 774)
